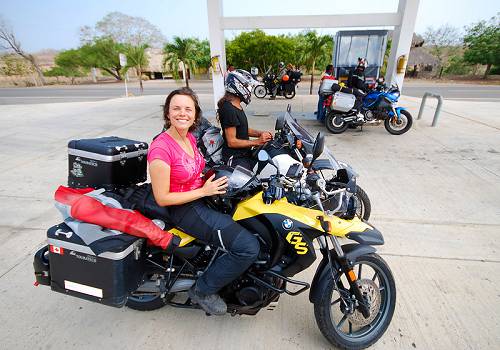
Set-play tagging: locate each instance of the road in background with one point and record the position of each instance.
(104, 91)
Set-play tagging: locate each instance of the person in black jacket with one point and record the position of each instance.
(356, 78)
(235, 131)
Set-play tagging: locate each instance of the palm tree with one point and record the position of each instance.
(181, 52)
(314, 49)
(138, 59)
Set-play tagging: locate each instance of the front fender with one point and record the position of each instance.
(323, 273)
(399, 109)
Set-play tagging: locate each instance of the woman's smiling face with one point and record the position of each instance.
(181, 112)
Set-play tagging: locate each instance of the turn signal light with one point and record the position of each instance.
(351, 275)
(298, 144)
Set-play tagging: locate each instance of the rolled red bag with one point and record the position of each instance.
(88, 209)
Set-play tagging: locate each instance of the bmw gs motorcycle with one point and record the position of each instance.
(376, 106)
(353, 290)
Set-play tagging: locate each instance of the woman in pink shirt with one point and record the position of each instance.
(175, 167)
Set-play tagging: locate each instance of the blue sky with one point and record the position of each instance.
(54, 23)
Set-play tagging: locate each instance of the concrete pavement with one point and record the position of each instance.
(435, 195)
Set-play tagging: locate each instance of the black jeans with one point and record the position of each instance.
(240, 247)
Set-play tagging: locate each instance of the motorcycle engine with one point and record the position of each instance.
(247, 292)
(369, 116)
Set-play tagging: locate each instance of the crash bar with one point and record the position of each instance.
(438, 108)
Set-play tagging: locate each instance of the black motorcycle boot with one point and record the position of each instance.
(211, 303)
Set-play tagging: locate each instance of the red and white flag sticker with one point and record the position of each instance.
(56, 250)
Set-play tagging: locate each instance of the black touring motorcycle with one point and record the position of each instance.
(353, 290)
(285, 88)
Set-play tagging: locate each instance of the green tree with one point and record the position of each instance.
(387, 52)
(443, 43)
(69, 63)
(180, 53)
(482, 44)
(138, 59)
(202, 55)
(316, 49)
(457, 66)
(103, 54)
(256, 49)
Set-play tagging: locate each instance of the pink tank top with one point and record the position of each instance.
(185, 171)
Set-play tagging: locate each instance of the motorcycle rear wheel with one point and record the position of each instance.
(380, 287)
(399, 126)
(147, 301)
(335, 124)
(260, 91)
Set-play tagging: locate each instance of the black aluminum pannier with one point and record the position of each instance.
(95, 264)
(106, 162)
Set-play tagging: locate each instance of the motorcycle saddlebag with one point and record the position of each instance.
(106, 162)
(343, 102)
(106, 269)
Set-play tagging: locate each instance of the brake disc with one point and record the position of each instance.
(371, 294)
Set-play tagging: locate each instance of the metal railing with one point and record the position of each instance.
(438, 108)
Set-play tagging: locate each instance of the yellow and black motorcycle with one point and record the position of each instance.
(353, 290)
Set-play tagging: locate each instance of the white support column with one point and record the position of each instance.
(217, 46)
(401, 39)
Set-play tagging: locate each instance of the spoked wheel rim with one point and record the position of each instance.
(352, 326)
(260, 91)
(398, 124)
(360, 207)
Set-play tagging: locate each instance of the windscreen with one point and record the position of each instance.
(240, 177)
(302, 134)
(299, 132)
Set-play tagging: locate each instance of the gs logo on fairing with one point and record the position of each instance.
(295, 239)
(287, 224)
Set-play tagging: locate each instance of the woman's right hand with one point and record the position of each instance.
(212, 186)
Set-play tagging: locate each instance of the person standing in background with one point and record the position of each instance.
(327, 74)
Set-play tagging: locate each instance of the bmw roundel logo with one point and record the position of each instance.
(287, 224)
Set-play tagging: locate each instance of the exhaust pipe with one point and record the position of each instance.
(182, 285)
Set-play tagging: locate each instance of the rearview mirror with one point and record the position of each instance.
(280, 122)
(318, 147)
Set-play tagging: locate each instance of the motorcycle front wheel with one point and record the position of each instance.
(260, 91)
(335, 124)
(398, 126)
(347, 329)
(363, 205)
(289, 94)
